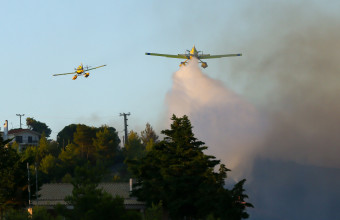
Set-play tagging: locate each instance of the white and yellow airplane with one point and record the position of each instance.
(80, 70)
(194, 53)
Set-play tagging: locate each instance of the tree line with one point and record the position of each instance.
(173, 176)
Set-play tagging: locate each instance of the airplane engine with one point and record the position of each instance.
(87, 75)
(182, 64)
(204, 65)
(74, 77)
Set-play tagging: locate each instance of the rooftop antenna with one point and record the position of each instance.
(125, 126)
(20, 118)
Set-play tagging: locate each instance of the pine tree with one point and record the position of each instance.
(178, 173)
(149, 137)
(106, 143)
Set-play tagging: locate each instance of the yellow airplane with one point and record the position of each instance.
(80, 70)
(194, 53)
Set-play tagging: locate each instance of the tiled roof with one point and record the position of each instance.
(20, 130)
(54, 193)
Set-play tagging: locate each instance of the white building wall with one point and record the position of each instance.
(25, 135)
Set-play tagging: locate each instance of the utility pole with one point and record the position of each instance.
(20, 118)
(36, 182)
(125, 126)
(29, 185)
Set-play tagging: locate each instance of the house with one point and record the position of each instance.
(24, 137)
(54, 193)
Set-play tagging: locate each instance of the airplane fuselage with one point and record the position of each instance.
(80, 69)
(193, 53)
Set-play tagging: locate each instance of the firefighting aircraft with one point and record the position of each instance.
(194, 53)
(80, 70)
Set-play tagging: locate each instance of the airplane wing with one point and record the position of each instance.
(94, 68)
(63, 74)
(208, 56)
(180, 56)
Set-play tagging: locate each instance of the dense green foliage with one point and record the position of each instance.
(65, 136)
(78, 144)
(177, 172)
(15, 214)
(106, 144)
(134, 150)
(13, 178)
(38, 126)
(155, 212)
(173, 173)
(88, 144)
(39, 213)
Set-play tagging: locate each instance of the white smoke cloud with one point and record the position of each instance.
(229, 125)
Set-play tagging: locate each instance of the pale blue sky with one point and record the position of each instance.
(41, 38)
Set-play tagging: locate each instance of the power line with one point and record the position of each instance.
(125, 126)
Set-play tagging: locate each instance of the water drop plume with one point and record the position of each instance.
(228, 124)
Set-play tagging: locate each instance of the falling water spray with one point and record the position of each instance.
(229, 125)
